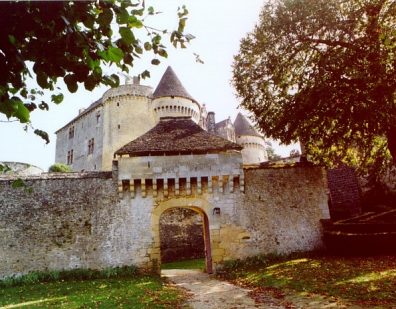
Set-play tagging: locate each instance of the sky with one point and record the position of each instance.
(218, 27)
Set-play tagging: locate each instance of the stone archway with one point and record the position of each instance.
(198, 205)
(181, 235)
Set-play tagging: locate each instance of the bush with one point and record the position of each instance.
(59, 168)
(69, 275)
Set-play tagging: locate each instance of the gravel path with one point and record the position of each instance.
(208, 293)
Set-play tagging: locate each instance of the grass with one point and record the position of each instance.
(369, 281)
(114, 290)
(186, 264)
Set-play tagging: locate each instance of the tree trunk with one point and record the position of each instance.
(391, 136)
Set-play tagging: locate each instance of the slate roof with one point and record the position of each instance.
(177, 135)
(170, 86)
(243, 126)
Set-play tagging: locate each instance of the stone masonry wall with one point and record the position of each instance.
(283, 208)
(61, 221)
(82, 220)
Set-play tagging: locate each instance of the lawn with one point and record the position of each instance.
(138, 292)
(368, 281)
(186, 264)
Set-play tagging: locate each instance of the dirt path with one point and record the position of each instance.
(209, 293)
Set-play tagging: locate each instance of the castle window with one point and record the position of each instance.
(70, 157)
(71, 132)
(97, 117)
(91, 146)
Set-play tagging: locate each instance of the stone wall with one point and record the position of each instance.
(86, 220)
(283, 208)
(62, 221)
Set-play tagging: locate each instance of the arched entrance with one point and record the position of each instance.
(181, 235)
(169, 205)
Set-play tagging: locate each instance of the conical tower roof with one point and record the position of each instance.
(170, 86)
(243, 126)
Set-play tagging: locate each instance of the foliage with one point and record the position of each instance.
(121, 292)
(363, 280)
(323, 72)
(72, 41)
(186, 264)
(70, 275)
(294, 153)
(272, 156)
(4, 168)
(59, 168)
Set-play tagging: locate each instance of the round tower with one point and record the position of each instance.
(253, 143)
(171, 99)
(127, 115)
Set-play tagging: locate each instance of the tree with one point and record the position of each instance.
(324, 72)
(272, 156)
(59, 168)
(72, 40)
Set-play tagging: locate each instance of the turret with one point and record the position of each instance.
(252, 142)
(171, 99)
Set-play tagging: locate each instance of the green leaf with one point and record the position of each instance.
(133, 22)
(150, 10)
(138, 12)
(71, 83)
(43, 106)
(42, 79)
(12, 39)
(163, 53)
(127, 35)
(145, 74)
(57, 98)
(156, 39)
(113, 80)
(138, 49)
(22, 113)
(105, 17)
(9, 107)
(147, 46)
(122, 16)
(24, 92)
(115, 54)
(90, 83)
(43, 135)
(155, 62)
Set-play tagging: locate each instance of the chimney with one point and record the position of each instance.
(211, 121)
(136, 80)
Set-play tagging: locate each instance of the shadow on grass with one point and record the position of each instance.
(142, 292)
(362, 280)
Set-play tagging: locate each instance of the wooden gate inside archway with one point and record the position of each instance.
(166, 239)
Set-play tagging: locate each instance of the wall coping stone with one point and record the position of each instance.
(47, 176)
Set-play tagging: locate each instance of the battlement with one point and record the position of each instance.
(128, 90)
(175, 187)
(183, 175)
